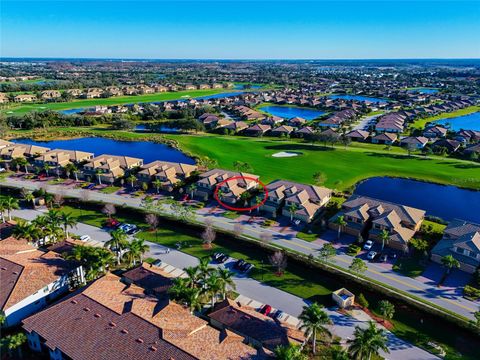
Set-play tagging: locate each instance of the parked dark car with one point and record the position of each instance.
(239, 264)
(383, 258)
(277, 314)
(222, 259)
(247, 267)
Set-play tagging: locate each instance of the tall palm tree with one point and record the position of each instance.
(192, 298)
(117, 243)
(339, 353)
(14, 342)
(258, 201)
(292, 209)
(385, 237)
(28, 197)
(47, 168)
(28, 231)
(53, 232)
(213, 286)
(99, 173)
(67, 220)
(10, 203)
(204, 269)
(192, 276)
(450, 262)
(340, 221)
(226, 281)
(157, 183)
(368, 342)
(191, 189)
(54, 217)
(289, 352)
(135, 250)
(2, 209)
(314, 319)
(131, 179)
(70, 168)
(48, 199)
(21, 161)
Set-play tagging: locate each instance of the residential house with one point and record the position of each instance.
(25, 98)
(282, 130)
(236, 126)
(369, 217)
(152, 279)
(257, 130)
(30, 279)
(59, 158)
(449, 144)
(231, 190)
(50, 94)
(74, 92)
(258, 329)
(209, 120)
(93, 93)
(461, 239)
(305, 132)
(295, 200)
(190, 87)
(4, 98)
(384, 138)
(128, 324)
(435, 132)
(297, 121)
(417, 142)
(114, 91)
(169, 173)
(473, 149)
(13, 151)
(358, 135)
(144, 89)
(108, 168)
(393, 122)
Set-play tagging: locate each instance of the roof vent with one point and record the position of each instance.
(86, 309)
(15, 272)
(153, 348)
(124, 331)
(112, 324)
(97, 315)
(3, 268)
(74, 302)
(139, 340)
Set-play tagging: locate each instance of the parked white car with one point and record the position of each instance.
(368, 245)
(85, 238)
(371, 255)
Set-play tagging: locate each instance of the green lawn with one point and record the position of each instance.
(343, 167)
(118, 100)
(110, 189)
(420, 123)
(411, 267)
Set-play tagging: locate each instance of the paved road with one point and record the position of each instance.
(343, 326)
(444, 298)
(363, 124)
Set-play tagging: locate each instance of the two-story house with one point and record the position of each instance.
(370, 217)
(169, 173)
(30, 279)
(461, 239)
(13, 151)
(295, 200)
(58, 158)
(108, 168)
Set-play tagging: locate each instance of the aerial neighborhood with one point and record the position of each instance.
(239, 210)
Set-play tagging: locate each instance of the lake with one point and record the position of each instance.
(446, 202)
(359, 98)
(242, 87)
(424, 90)
(289, 112)
(146, 150)
(466, 122)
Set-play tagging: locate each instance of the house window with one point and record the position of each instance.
(466, 252)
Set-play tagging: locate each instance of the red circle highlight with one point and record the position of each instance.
(215, 193)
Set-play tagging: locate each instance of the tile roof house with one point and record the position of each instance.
(307, 200)
(305, 131)
(4, 98)
(259, 330)
(236, 126)
(30, 278)
(417, 142)
(358, 135)
(50, 94)
(232, 190)
(108, 168)
(14, 151)
(435, 131)
(384, 138)
(109, 320)
(154, 280)
(449, 144)
(209, 120)
(393, 122)
(282, 130)
(25, 98)
(363, 213)
(58, 158)
(169, 173)
(257, 130)
(461, 239)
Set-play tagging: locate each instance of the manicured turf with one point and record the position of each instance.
(411, 267)
(343, 168)
(75, 104)
(420, 123)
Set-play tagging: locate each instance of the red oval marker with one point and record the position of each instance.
(215, 194)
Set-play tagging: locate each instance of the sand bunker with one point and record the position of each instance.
(283, 154)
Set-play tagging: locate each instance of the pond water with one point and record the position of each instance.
(358, 98)
(289, 112)
(242, 87)
(424, 90)
(446, 202)
(466, 122)
(145, 128)
(148, 151)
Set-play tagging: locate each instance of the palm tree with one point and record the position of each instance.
(157, 183)
(191, 189)
(226, 281)
(67, 220)
(2, 209)
(204, 269)
(314, 319)
(131, 179)
(213, 286)
(289, 352)
(192, 276)
(14, 342)
(46, 167)
(368, 342)
(28, 231)
(191, 297)
(54, 217)
(340, 221)
(385, 236)
(258, 201)
(10, 203)
(48, 199)
(53, 232)
(21, 161)
(70, 168)
(292, 208)
(98, 172)
(220, 194)
(339, 353)
(117, 243)
(135, 250)
(28, 197)
(387, 309)
(450, 262)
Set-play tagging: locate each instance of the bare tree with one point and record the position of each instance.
(152, 220)
(208, 236)
(58, 199)
(279, 260)
(238, 229)
(266, 237)
(109, 210)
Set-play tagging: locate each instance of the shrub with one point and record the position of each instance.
(353, 250)
(362, 301)
(471, 292)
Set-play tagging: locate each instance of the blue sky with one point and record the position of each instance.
(240, 29)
